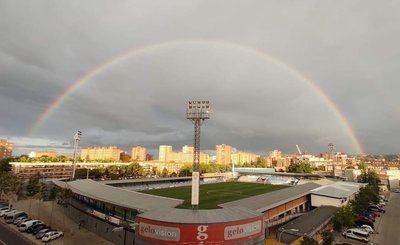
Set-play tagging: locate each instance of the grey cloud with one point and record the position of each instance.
(348, 48)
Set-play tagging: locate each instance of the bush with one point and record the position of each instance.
(327, 237)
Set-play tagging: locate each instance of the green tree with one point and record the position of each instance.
(308, 241)
(164, 173)
(364, 198)
(370, 177)
(301, 167)
(134, 170)
(343, 218)
(327, 238)
(33, 186)
(186, 170)
(9, 182)
(5, 164)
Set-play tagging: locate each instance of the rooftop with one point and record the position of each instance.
(308, 224)
(272, 199)
(117, 196)
(338, 189)
(189, 216)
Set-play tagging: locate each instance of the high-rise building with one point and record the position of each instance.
(111, 153)
(166, 154)
(189, 149)
(124, 157)
(182, 157)
(139, 153)
(244, 157)
(46, 153)
(163, 152)
(276, 155)
(6, 148)
(223, 153)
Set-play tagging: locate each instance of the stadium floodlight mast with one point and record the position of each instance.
(77, 138)
(197, 111)
(331, 148)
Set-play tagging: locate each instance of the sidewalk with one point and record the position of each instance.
(52, 214)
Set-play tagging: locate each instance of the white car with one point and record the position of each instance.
(367, 228)
(52, 235)
(24, 226)
(7, 212)
(357, 235)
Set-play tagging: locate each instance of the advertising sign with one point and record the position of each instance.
(214, 233)
(158, 232)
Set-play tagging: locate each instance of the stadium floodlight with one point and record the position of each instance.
(197, 111)
(77, 138)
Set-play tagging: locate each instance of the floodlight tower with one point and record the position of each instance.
(77, 138)
(331, 147)
(197, 112)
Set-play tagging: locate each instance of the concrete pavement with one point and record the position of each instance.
(388, 226)
(9, 236)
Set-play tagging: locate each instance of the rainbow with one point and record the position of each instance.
(153, 47)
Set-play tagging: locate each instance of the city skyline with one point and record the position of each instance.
(277, 84)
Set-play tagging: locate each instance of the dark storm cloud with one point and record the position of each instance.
(349, 48)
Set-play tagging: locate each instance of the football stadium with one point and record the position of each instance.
(159, 211)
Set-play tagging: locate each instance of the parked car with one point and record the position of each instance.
(12, 211)
(3, 208)
(366, 218)
(24, 226)
(3, 212)
(364, 222)
(50, 236)
(376, 208)
(31, 228)
(383, 198)
(357, 235)
(370, 215)
(11, 217)
(36, 228)
(19, 219)
(43, 232)
(19, 223)
(367, 228)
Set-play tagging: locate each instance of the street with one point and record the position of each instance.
(11, 237)
(387, 227)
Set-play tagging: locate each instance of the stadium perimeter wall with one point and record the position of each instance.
(100, 227)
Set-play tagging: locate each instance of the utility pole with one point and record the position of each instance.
(77, 138)
(197, 112)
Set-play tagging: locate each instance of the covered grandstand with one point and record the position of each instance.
(118, 196)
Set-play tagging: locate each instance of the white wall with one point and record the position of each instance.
(317, 201)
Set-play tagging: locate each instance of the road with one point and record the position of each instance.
(388, 228)
(11, 237)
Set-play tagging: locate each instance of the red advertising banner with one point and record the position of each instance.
(219, 233)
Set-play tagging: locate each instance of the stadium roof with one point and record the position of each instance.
(143, 180)
(204, 216)
(337, 190)
(117, 196)
(307, 224)
(272, 199)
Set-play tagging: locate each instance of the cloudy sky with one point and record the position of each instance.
(268, 67)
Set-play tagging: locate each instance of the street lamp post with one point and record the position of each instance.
(77, 138)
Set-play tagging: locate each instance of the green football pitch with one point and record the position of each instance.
(217, 193)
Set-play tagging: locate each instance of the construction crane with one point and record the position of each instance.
(298, 149)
